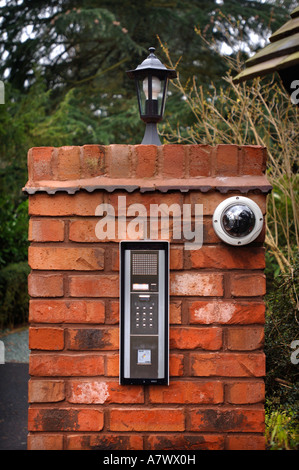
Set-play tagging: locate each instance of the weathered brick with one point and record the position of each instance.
(145, 160)
(94, 286)
(245, 442)
(246, 339)
(227, 257)
(187, 392)
(193, 338)
(118, 163)
(199, 160)
(66, 258)
(101, 391)
(227, 364)
(66, 311)
(46, 338)
(227, 160)
(46, 230)
(253, 160)
(68, 164)
(184, 441)
(93, 160)
(61, 204)
(193, 283)
(147, 419)
(93, 339)
(65, 419)
(103, 442)
(248, 285)
(173, 161)
(40, 163)
(43, 391)
(226, 312)
(228, 420)
(45, 285)
(42, 441)
(239, 393)
(59, 365)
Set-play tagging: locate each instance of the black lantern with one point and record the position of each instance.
(151, 80)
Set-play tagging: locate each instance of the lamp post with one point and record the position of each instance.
(151, 80)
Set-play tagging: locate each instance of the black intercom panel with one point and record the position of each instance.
(144, 307)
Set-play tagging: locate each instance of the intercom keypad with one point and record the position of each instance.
(144, 314)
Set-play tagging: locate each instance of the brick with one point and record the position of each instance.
(148, 198)
(65, 419)
(118, 162)
(145, 159)
(112, 315)
(227, 420)
(253, 158)
(147, 419)
(186, 442)
(193, 338)
(226, 257)
(173, 161)
(176, 258)
(103, 391)
(227, 364)
(46, 230)
(61, 204)
(246, 339)
(93, 161)
(43, 391)
(43, 441)
(112, 367)
(212, 199)
(199, 160)
(227, 160)
(94, 286)
(39, 163)
(93, 339)
(45, 285)
(51, 339)
(189, 283)
(230, 312)
(57, 365)
(187, 392)
(245, 442)
(68, 164)
(103, 442)
(175, 313)
(66, 311)
(66, 258)
(238, 393)
(248, 285)
(176, 364)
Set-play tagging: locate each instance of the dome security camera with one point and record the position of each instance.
(238, 220)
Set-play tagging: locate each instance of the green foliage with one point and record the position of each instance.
(282, 430)
(13, 295)
(282, 319)
(14, 231)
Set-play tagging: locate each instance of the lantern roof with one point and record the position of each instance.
(154, 65)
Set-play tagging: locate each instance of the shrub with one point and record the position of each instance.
(13, 295)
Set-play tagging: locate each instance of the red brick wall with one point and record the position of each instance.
(216, 391)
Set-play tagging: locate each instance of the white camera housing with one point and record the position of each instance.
(238, 220)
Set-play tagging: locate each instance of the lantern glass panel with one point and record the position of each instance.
(151, 97)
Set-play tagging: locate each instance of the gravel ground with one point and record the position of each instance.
(15, 345)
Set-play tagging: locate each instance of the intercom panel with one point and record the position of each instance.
(144, 307)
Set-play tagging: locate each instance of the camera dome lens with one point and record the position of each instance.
(238, 220)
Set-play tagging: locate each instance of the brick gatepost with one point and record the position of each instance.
(215, 399)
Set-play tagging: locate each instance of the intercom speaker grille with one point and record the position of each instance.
(145, 264)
